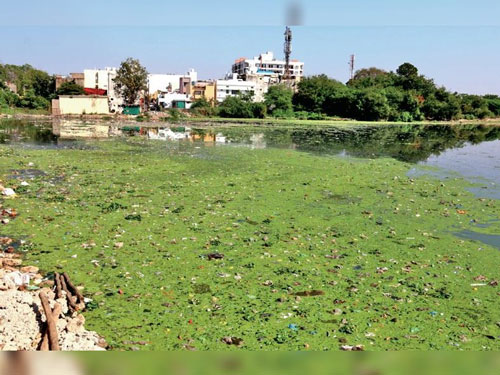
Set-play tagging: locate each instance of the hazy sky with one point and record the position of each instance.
(455, 42)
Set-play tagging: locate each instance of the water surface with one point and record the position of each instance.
(470, 151)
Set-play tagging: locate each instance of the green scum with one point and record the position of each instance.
(189, 247)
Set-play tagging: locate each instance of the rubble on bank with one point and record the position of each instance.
(23, 321)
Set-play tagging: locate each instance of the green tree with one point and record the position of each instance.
(131, 79)
(202, 107)
(372, 77)
(313, 93)
(32, 101)
(493, 102)
(475, 106)
(341, 102)
(372, 105)
(237, 107)
(442, 106)
(407, 70)
(278, 100)
(8, 99)
(258, 110)
(70, 88)
(42, 84)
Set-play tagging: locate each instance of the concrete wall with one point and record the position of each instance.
(79, 105)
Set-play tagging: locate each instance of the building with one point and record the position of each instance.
(171, 82)
(263, 80)
(168, 99)
(78, 78)
(80, 105)
(185, 85)
(266, 63)
(204, 90)
(101, 82)
(234, 86)
(99, 78)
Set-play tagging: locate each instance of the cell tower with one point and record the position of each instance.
(288, 52)
(351, 65)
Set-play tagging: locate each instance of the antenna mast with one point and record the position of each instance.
(288, 52)
(351, 65)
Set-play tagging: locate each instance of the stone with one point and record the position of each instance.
(75, 325)
(30, 269)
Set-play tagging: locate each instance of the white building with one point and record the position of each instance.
(102, 79)
(169, 82)
(99, 78)
(266, 63)
(165, 99)
(233, 86)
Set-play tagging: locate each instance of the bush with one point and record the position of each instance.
(258, 110)
(236, 107)
(70, 88)
(8, 99)
(278, 101)
(493, 102)
(202, 107)
(32, 101)
(174, 115)
(303, 115)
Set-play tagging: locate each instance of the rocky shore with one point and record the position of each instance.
(23, 321)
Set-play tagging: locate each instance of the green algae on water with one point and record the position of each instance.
(344, 251)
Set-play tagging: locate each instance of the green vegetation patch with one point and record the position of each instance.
(184, 247)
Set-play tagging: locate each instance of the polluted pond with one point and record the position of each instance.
(272, 248)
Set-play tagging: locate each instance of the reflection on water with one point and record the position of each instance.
(471, 150)
(477, 162)
(433, 144)
(488, 239)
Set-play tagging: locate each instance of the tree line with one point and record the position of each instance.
(35, 88)
(372, 95)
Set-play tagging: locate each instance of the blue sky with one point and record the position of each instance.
(455, 42)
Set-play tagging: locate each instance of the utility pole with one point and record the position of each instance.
(288, 52)
(352, 65)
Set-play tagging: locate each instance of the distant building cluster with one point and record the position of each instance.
(251, 77)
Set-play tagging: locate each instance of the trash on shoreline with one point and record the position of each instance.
(8, 192)
(16, 279)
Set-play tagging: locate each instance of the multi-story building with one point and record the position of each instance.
(234, 86)
(263, 80)
(171, 82)
(266, 63)
(204, 90)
